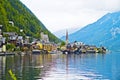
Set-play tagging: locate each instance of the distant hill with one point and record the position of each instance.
(105, 32)
(23, 18)
(62, 32)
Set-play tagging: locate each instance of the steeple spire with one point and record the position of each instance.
(66, 37)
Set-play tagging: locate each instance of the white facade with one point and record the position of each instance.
(44, 37)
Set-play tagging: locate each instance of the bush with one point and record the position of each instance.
(10, 47)
(62, 44)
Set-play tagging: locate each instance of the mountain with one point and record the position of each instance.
(62, 32)
(105, 32)
(16, 12)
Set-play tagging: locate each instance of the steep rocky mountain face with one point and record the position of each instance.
(103, 32)
(23, 18)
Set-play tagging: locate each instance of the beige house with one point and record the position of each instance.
(44, 37)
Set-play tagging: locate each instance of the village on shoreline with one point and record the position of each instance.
(11, 42)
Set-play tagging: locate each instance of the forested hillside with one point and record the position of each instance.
(23, 18)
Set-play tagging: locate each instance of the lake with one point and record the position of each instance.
(61, 67)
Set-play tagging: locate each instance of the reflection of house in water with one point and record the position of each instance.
(2, 67)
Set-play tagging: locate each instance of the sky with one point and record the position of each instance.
(64, 14)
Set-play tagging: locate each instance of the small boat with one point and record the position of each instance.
(90, 51)
(53, 52)
(36, 51)
(66, 51)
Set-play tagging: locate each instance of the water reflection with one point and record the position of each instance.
(73, 67)
(60, 67)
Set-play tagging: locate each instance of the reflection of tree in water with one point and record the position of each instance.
(2, 68)
(29, 72)
(21, 66)
(32, 67)
(45, 61)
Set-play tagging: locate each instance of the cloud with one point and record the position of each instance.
(59, 14)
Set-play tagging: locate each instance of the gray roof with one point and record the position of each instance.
(10, 33)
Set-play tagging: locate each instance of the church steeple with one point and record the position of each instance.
(66, 37)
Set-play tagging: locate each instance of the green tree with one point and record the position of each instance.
(62, 44)
(23, 18)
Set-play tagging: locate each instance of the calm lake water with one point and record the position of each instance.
(61, 67)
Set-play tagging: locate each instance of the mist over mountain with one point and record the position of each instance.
(62, 32)
(105, 32)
